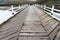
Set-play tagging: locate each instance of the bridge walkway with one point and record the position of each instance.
(32, 28)
(30, 24)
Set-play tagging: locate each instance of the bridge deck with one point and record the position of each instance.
(24, 26)
(32, 23)
(32, 28)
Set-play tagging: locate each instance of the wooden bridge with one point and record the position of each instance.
(32, 23)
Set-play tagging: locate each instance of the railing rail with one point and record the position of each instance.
(55, 13)
(10, 13)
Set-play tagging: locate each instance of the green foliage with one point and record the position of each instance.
(48, 1)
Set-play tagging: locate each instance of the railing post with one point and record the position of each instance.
(22, 6)
(41, 6)
(19, 6)
(44, 6)
(52, 10)
(12, 9)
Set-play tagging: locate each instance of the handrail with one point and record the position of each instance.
(8, 14)
(48, 7)
(54, 9)
(55, 12)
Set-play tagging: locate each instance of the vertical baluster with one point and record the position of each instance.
(19, 6)
(52, 10)
(12, 9)
(41, 6)
(44, 6)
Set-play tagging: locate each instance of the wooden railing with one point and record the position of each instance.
(11, 29)
(7, 14)
(55, 13)
(55, 32)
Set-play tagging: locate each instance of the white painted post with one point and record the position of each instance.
(52, 10)
(12, 9)
(44, 6)
(27, 5)
(19, 6)
(41, 6)
(22, 6)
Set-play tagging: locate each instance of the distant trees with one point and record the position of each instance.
(49, 1)
(30, 2)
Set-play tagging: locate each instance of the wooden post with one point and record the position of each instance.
(44, 6)
(19, 6)
(52, 10)
(22, 6)
(41, 6)
(12, 9)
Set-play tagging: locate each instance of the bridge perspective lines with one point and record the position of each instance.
(30, 24)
